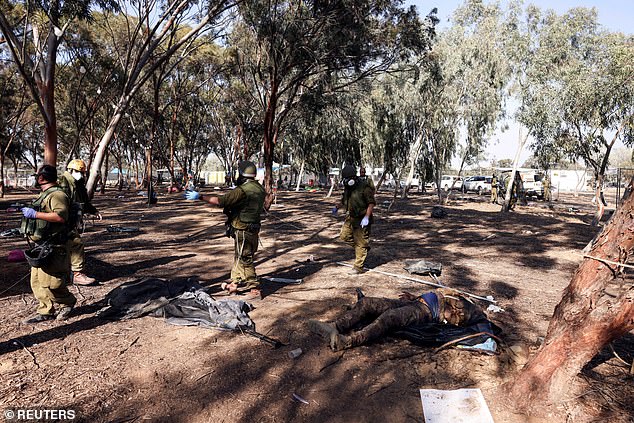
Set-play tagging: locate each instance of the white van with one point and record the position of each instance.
(448, 182)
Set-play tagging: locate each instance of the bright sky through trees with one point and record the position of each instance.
(614, 15)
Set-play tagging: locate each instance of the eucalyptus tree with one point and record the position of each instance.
(33, 32)
(474, 54)
(138, 39)
(579, 96)
(284, 48)
(577, 112)
(326, 132)
(392, 117)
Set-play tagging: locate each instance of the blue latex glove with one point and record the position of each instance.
(192, 195)
(365, 221)
(28, 212)
(334, 211)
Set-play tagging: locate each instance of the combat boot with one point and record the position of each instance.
(340, 342)
(328, 331)
(64, 313)
(80, 279)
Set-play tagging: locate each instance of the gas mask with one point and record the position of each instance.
(76, 175)
(349, 182)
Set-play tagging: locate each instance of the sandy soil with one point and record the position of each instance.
(147, 370)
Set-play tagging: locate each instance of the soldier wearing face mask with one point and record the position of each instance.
(74, 185)
(358, 199)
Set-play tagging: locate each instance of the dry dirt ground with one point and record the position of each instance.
(147, 370)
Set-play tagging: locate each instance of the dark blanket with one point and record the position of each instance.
(438, 334)
(181, 302)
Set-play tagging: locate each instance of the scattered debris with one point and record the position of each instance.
(16, 342)
(284, 280)
(460, 405)
(127, 229)
(11, 233)
(16, 256)
(495, 309)
(438, 212)
(295, 353)
(423, 267)
(300, 399)
(333, 361)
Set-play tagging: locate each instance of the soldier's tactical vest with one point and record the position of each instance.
(254, 203)
(39, 230)
(355, 202)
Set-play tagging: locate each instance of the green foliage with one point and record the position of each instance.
(578, 98)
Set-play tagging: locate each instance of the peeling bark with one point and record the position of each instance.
(585, 320)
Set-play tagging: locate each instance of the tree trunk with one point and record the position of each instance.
(270, 133)
(2, 187)
(413, 158)
(381, 180)
(300, 175)
(50, 126)
(585, 320)
(507, 197)
(104, 173)
(101, 152)
(600, 200)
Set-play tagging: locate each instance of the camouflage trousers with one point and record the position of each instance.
(386, 315)
(245, 246)
(50, 283)
(359, 238)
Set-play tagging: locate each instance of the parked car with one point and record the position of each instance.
(448, 182)
(480, 184)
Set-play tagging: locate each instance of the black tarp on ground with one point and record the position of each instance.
(181, 302)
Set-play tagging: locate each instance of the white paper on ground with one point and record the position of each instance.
(458, 406)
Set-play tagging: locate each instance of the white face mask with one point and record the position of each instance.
(76, 175)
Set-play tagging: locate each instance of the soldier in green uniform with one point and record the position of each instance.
(72, 182)
(365, 178)
(546, 187)
(386, 315)
(494, 189)
(358, 199)
(243, 206)
(45, 224)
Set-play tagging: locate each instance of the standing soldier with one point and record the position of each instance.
(546, 187)
(45, 224)
(72, 182)
(243, 206)
(358, 199)
(365, 178)
(494, 188)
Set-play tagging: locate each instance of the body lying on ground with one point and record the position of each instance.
(387, 315)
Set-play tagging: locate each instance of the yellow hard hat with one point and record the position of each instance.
(78, 165)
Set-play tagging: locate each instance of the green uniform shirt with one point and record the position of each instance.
(55, 201)
(357, 199)
(244, 204)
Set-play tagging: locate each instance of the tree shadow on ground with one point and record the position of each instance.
(357, 384)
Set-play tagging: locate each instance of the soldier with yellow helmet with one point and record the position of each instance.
(73, 184)
(243, 206)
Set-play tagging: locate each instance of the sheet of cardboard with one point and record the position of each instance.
(458, 406)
